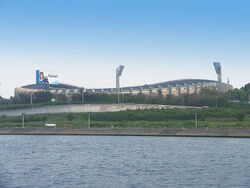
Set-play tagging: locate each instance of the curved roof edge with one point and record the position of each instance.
(50, 86)
(172, 83)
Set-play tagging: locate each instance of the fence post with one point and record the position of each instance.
(196, 119)
(89, 120)
(23, 114)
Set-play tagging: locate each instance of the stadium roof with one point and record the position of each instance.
(172, 83)
(50, 86)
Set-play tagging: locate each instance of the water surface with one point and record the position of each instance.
(123, 161)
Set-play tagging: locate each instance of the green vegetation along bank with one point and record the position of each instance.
(237, 116)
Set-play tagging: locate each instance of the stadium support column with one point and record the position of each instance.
(195, 88)
(118, 74)
(202, 85)
(188, 87)
(140, 89)
(131, 91)
(82, 93)
(170, 90)
(31, 99)
(199, 86)
(150, 91)
(179, 90)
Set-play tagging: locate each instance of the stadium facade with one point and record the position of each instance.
(175, 87)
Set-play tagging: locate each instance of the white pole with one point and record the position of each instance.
(196, 119)
(89, 120)
(82, 94)
(31, 100)
(23, 114)
(216, 102)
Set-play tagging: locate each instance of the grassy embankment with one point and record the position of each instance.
(237, 115)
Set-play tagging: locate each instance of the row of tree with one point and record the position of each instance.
(242, 94)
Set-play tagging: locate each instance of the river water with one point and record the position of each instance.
(123, 161)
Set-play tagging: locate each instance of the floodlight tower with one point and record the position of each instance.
(118, 74)
(217, 67)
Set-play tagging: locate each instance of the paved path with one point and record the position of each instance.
(77, 108)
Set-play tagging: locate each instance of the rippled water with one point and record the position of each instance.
(113, 161)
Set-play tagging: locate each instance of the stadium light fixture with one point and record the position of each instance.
(119, 71)
(217, 67)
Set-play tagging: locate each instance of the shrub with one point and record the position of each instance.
(203, 117)
(188, 123)
(32, 118)
(44, 118)
(70, 117)
(240, 116)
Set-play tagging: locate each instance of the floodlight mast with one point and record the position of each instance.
(217, 68)
(118, 74)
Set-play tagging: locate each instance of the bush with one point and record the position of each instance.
(188, 123)
(44, 118)
(240, 116)
(42, 96)
(32, 118)
(203, 117)
(70, 117)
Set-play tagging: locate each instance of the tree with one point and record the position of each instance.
(246, 88)
(44, 118)
(2, 100)
(241, 94)
(240, 116)
(70, 117)
(21, 98)
(61, 98)
(42, 97)
(203, 117)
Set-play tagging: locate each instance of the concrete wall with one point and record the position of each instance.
(200, 132)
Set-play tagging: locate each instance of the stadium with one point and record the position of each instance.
(175, 87)
(48, 81)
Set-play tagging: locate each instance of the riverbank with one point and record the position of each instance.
(194, 132)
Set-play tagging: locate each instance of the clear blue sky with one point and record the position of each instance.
(156, 40)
